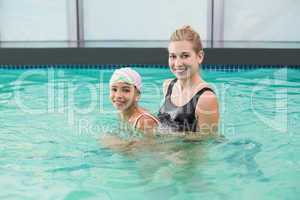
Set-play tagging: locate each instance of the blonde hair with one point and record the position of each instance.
(186, 33)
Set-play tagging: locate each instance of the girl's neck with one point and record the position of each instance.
(127, 114)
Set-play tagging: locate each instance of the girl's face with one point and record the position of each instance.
(183, 60)
(123, 95)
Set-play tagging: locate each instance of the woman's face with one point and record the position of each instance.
(183, 60)
(123, 95)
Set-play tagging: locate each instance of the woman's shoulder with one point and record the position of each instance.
(208, 99)
(166, 84)
(206, 89)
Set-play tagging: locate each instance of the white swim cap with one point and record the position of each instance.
(127, 75)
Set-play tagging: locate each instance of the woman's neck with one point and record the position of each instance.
(190, 82)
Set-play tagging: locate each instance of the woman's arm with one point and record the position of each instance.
(115, 142)
(146, 124)
(207, 113)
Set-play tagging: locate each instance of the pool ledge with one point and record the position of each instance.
(121, 56)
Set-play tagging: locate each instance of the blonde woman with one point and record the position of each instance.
(190, 104)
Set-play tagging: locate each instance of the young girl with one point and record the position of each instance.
(125, 91)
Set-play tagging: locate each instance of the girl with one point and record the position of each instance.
(125, 91)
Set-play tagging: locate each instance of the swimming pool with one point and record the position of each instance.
(51, 120)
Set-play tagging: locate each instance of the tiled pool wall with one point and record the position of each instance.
(208, 67)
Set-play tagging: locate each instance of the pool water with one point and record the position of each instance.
(51, 121)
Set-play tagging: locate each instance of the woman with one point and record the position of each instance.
(190, 105)
(125, 90)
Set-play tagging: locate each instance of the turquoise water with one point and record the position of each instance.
(51, 120)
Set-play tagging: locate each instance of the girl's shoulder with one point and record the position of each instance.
(146, 122)
(146, 117)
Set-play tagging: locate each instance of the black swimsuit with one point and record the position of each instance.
(179, 118)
